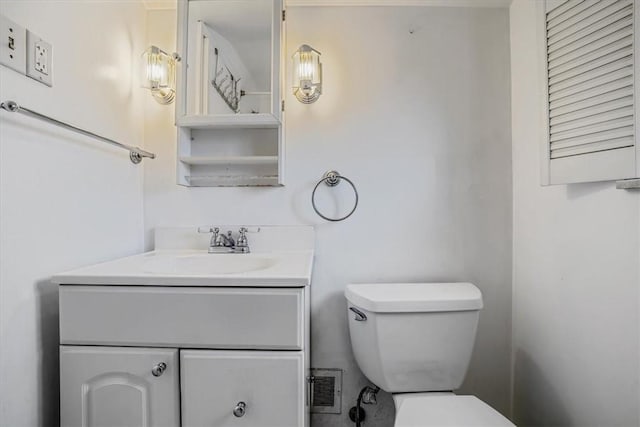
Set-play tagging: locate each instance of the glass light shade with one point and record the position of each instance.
(159, 74)
(307, 74)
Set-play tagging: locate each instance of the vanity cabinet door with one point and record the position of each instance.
(271, 384)
(118, 387)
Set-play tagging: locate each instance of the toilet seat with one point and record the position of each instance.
(445, 409)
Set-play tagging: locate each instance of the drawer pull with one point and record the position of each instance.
(159, 369)
(240, 409)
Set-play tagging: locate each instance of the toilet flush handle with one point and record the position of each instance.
(360, 316)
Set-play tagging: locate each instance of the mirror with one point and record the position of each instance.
(229, 101)
(229, 60)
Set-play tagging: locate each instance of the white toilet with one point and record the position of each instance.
(414, 340)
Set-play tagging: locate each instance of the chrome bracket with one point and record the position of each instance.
(331, 178)
(135, 157)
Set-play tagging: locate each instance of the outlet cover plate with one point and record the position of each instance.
(13, 45)
(39, 55)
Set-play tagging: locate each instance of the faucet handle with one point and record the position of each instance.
(242, 238)
(243, 242)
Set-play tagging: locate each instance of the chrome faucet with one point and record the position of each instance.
(225, 241)
(225, 244)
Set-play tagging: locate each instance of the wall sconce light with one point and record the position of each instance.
(159, 74)
(307, 74)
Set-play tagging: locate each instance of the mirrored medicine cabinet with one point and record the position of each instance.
(229, 108)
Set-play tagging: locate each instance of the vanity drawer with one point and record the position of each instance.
(263, 388)
(225, 318)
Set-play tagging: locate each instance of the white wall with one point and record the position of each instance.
(65, 201)
(576, 259)
(415, 111)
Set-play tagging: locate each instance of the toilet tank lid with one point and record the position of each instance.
(414, 297)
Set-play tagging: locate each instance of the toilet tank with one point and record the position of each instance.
(413, 337)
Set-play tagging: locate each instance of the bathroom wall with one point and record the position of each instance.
(65, 201)
(576, 260)
(415, 110)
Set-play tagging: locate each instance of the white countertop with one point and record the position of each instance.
(290, 269)
(176, 263)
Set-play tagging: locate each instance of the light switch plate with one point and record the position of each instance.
(13, 45)
(39, 55)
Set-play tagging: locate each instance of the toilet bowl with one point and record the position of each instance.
(415, 340)
(444, 409)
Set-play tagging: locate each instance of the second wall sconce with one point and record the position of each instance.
(159, 74)
(307, 74)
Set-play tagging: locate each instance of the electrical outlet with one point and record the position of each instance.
(42, 57)
(39, 53)
(13, 45)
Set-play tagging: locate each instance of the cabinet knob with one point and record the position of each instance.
(159, 369)
(240, 409)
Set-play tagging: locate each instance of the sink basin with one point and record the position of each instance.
(207, 264)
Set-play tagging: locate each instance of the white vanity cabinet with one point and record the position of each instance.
(184, 356)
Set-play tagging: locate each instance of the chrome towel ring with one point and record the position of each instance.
(333, 178)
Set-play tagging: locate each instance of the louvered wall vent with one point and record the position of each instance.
(590, 63)
(326, 391)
